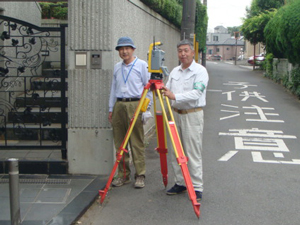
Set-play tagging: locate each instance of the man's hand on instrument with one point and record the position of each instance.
(168, 93)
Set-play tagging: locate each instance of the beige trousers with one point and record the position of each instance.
(122, 114)
(190, 130)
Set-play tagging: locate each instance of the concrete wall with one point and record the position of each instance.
(95, 26)
(134, 19)
(281, 68)
(27, 11)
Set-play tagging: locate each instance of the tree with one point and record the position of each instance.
(201, 25)
(282, 32)
(172, 11)
(231, 30)
(273, 43)
(253, 28)
(261, 6)
(259, 14)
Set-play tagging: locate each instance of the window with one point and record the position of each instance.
(215, 38)
(218, 49)
(227, 49)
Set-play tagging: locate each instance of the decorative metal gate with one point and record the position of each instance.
(32, 86)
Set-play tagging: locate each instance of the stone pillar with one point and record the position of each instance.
(90, 141)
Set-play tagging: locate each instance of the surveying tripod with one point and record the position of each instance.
(155, 84)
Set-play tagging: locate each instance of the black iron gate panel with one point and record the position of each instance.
(33, 87)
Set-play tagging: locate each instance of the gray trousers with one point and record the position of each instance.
(190, 130)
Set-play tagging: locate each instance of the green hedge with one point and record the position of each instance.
(201, 25)
(54, 10)
(295, 83)
(169, 9)
(269, 65)
(282, 33)
(172, 11)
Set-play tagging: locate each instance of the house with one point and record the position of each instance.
(221, 46)
(249, 49)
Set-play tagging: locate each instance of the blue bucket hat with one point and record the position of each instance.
(125, 41)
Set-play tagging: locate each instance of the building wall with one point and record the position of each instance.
(133, 18)
(27, 11)
(95, 26)
(226, 51)
(249, 49)
(229, 52)
(217, 37)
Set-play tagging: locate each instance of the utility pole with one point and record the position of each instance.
(204, 51)
(236, 36)
(188, 20)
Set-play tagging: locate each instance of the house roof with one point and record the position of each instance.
(220, 28)
(229, 41)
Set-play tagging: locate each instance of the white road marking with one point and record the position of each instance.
(228, 156)
(257, 157)
(278, 155)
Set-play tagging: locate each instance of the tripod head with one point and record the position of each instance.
(155, 62)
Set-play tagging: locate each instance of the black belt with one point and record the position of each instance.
(127, 99)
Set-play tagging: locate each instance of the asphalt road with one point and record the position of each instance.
(251, 161)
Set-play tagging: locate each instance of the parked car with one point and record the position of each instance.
(216, 57)
(259, 59)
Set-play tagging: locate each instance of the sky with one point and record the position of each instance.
(227, 13)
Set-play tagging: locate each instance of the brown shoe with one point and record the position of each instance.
(119, 181)
(139, 181)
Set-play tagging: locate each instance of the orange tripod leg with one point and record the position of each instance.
(103, 192)
(181, 158)
(182, 161)
(160, 134)
(162, 147)
(121, 150)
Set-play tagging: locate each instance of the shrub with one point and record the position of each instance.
(282, 33)
(169, 9)
(172, 11)
(295, 85)
(54, 10)
(269, 65)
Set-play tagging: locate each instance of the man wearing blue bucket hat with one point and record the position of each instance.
(129, 78)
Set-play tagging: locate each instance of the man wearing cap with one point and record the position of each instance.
(129, 78)
(186, 88)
